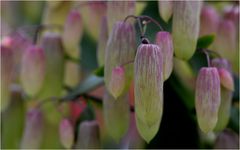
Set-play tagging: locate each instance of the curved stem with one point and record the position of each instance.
(207, 56)
(152, 20)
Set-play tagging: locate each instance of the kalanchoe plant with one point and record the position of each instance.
(119, 51)
(116, 115)
(72, 34)
(7, 64)
(185, 28)
(207, 98)
(33, 70)
(164, 41)
(66, 133)
(148, 89)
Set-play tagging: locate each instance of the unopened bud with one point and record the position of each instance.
(221, 63)
(117, 82)
(232, 13)
(209, 21)
(165, 9)
(102, 41)
(72, 33)
(116, 115)
(72, 75)
(119, 51)
(227, 139)
(32, 70)
(66, 132)
(207, 98)
(164, 41)
(148, 84)
(88, 135)
(32, 136)
(54, 75)
(185, 28)
(118, 10)
(226, 79)
(7, 66)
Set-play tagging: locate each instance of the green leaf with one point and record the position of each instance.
(87, 85)
(99, 71)
(205, 41)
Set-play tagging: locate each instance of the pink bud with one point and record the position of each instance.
(102, 41)
(148, 89)
(66, 132)
(185, 28)
(116, 115)
(164, 41)
(232, 13)
(227, 139)
(221, 63)
(117, 82)
(207, 98)
(165, 9)
(209, 21)
(118, 10)
(32, 70)
(54, 76)
(7, 64)
(226, 79)
(72, 33)
(32, 136)
(88, 135)
(120, 50)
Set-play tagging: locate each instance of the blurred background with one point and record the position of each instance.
(178, 129)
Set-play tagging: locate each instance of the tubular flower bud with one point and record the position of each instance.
(207, 98)
(118, 10)
(185, 28)
(32, 70)
(53, 82)
(116, 115)
(88, 135)
(209, 21)
(164, 41)
(226, 44)
(148, 67)
(226, 80)
(165, 9)
(7, 64)
(72, 33)
(119, 51)
(116, 84)
(32, 136)
(102, 41)
(66, 132)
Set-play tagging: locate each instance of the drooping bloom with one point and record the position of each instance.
(32, 136)
(209, 21)
(7, 67)
(148, 84)
(227, 87)
(88, 135)
(54, 76)
(72, 33)
(207, 98)
(165, 9)
(164, 41)
(185, 28)
(120, 51)
(102, 41)
(118, 10)
(116, 115)
(32, 70)
(66, 132)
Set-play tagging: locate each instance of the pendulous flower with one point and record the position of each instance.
(148, 89)
(185, 28)
(207, 98)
